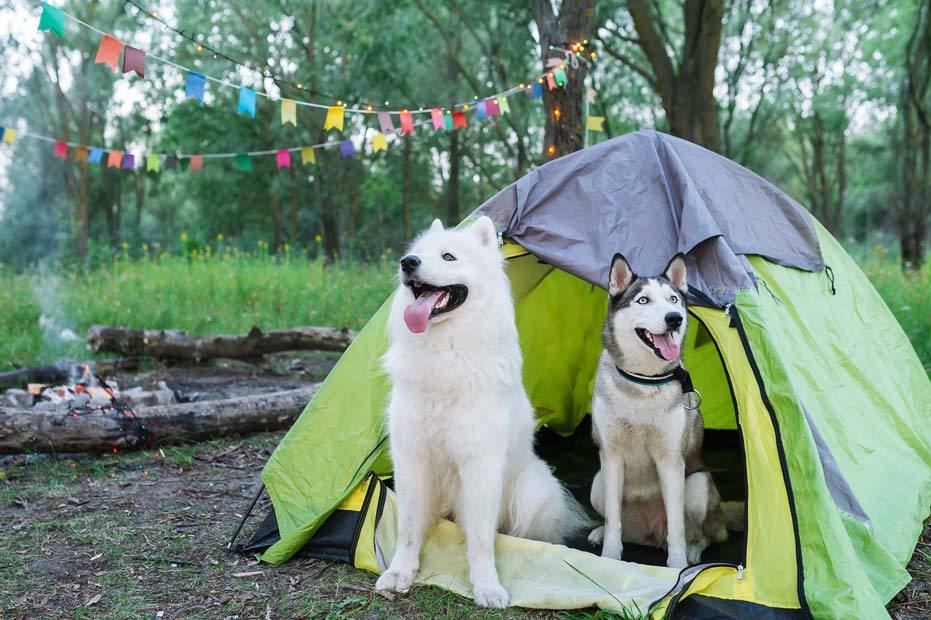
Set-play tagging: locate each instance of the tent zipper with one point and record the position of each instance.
(681, 585)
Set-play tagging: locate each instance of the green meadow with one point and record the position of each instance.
(228, 291)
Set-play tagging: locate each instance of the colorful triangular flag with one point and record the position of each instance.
(114, 159)
(550, 81)
(80, 154)
(96, 156)
(195, 85)
(246, 101)
(243, 162)
(289, 112)
(559, 75)
(491, 106)
(334, 118)
(538, 89)
(9, 135)
(436, 115)
(407, 122)
(448, 121)
(590, 94)
(482, 113)
(595, 123)
(129, 162)
(152, 163)
(171, 162)
(283, 157)
(385, 122)
(347, 149)
(459, 119)
(503, 106)
(379, 143)
(109, 52)
(197, 163)
(61, 149)
(308, 156)
(134, 60)
(52, 19)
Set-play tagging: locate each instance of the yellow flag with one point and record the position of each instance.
(288, 112)
(9, 135)
(379, 143)
(595, 123)
(308, 156)
(334, 117)
(152, 162)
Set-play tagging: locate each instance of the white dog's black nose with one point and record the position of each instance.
(673, 320)
(410, 262)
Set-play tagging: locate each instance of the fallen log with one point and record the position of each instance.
(31, 430)
(61, 372)
(175, 344)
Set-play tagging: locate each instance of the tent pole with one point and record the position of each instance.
(255, 500)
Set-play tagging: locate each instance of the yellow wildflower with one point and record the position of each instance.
(184, 236)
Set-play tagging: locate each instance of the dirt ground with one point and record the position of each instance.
(144, 535)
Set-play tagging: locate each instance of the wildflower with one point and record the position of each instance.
(125, 245)
(219, 236)
(318, 238)
(145, 247)
(184, 236)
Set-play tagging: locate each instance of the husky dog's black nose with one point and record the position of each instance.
(673, 320)
(410, 262)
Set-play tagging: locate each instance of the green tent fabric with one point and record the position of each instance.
(805, 364)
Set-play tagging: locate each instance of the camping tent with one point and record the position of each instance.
(822, 404)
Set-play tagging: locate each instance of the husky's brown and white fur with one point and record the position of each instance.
(652, 488)
(460, 422)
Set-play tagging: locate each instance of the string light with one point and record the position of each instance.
(200, 47)
(557, 113)
(551, 150)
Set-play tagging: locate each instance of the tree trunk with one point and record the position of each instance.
(564, 129)
(276, 224)
(177, 345)
(452, 185)
(406, 188)
(292, 216)
(29, 430)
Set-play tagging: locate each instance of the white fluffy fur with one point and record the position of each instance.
(460, 422)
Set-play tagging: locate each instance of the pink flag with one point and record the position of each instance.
(61, 149)
(491, 106)
(438, 122)
(384, 120)
(284, 158)
(109, 52)
(550, 81)
(407, 122)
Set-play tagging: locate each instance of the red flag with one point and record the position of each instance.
(550, 81)
(197, 163)
(407, 122)
(134, 60)
(61, 149)
(284, 158)
(109, 52)
(459, 119)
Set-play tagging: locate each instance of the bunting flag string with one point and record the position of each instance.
(134, 59)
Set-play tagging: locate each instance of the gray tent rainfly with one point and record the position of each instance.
(648, 195)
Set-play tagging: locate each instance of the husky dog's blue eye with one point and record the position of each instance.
(643, 300)
(674, 299)
(448, 257)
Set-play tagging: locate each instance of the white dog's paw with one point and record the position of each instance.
(676, 560)
(613, 550)
(395, 581)
(597, 536)
(694, 552)
(491, 595)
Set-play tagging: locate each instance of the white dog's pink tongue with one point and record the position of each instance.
(663, 342)
(417, 314)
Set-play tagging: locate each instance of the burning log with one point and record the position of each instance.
(29, 430)
(177, 345)
(63, 371)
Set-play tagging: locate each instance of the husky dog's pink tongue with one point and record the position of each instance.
(417, 314)
(667, 348)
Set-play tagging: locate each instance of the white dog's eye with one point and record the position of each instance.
(643, 300)
(448, 257)
(674, 299)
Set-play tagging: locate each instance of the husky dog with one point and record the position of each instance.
(652, 488)
(460, 422)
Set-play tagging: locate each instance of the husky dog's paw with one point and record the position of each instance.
(597, 536)
(395, 581)
(676, 560)
(491, 595)
(613, 550)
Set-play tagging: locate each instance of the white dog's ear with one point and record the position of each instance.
(621, 276)
(675, 272)
(485, 229)
(436, 226)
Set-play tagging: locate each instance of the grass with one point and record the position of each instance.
(201, 292)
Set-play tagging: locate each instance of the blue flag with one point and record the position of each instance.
(482, 110)
(246, 102)
(195, 85)
(96, 156)
(537, 90)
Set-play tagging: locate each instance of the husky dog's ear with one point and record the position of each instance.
(620, 277)
(485, 229)
(436, 226)
(675, 272)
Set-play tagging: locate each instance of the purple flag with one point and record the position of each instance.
(129, 161)
(347, 149)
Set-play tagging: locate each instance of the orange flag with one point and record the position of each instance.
(109, 52)
(114, 159)
(197, 163)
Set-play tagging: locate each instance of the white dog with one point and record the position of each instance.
(652, 488)
(460, 422)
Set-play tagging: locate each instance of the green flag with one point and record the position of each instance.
(52, 19)
(243, 162)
